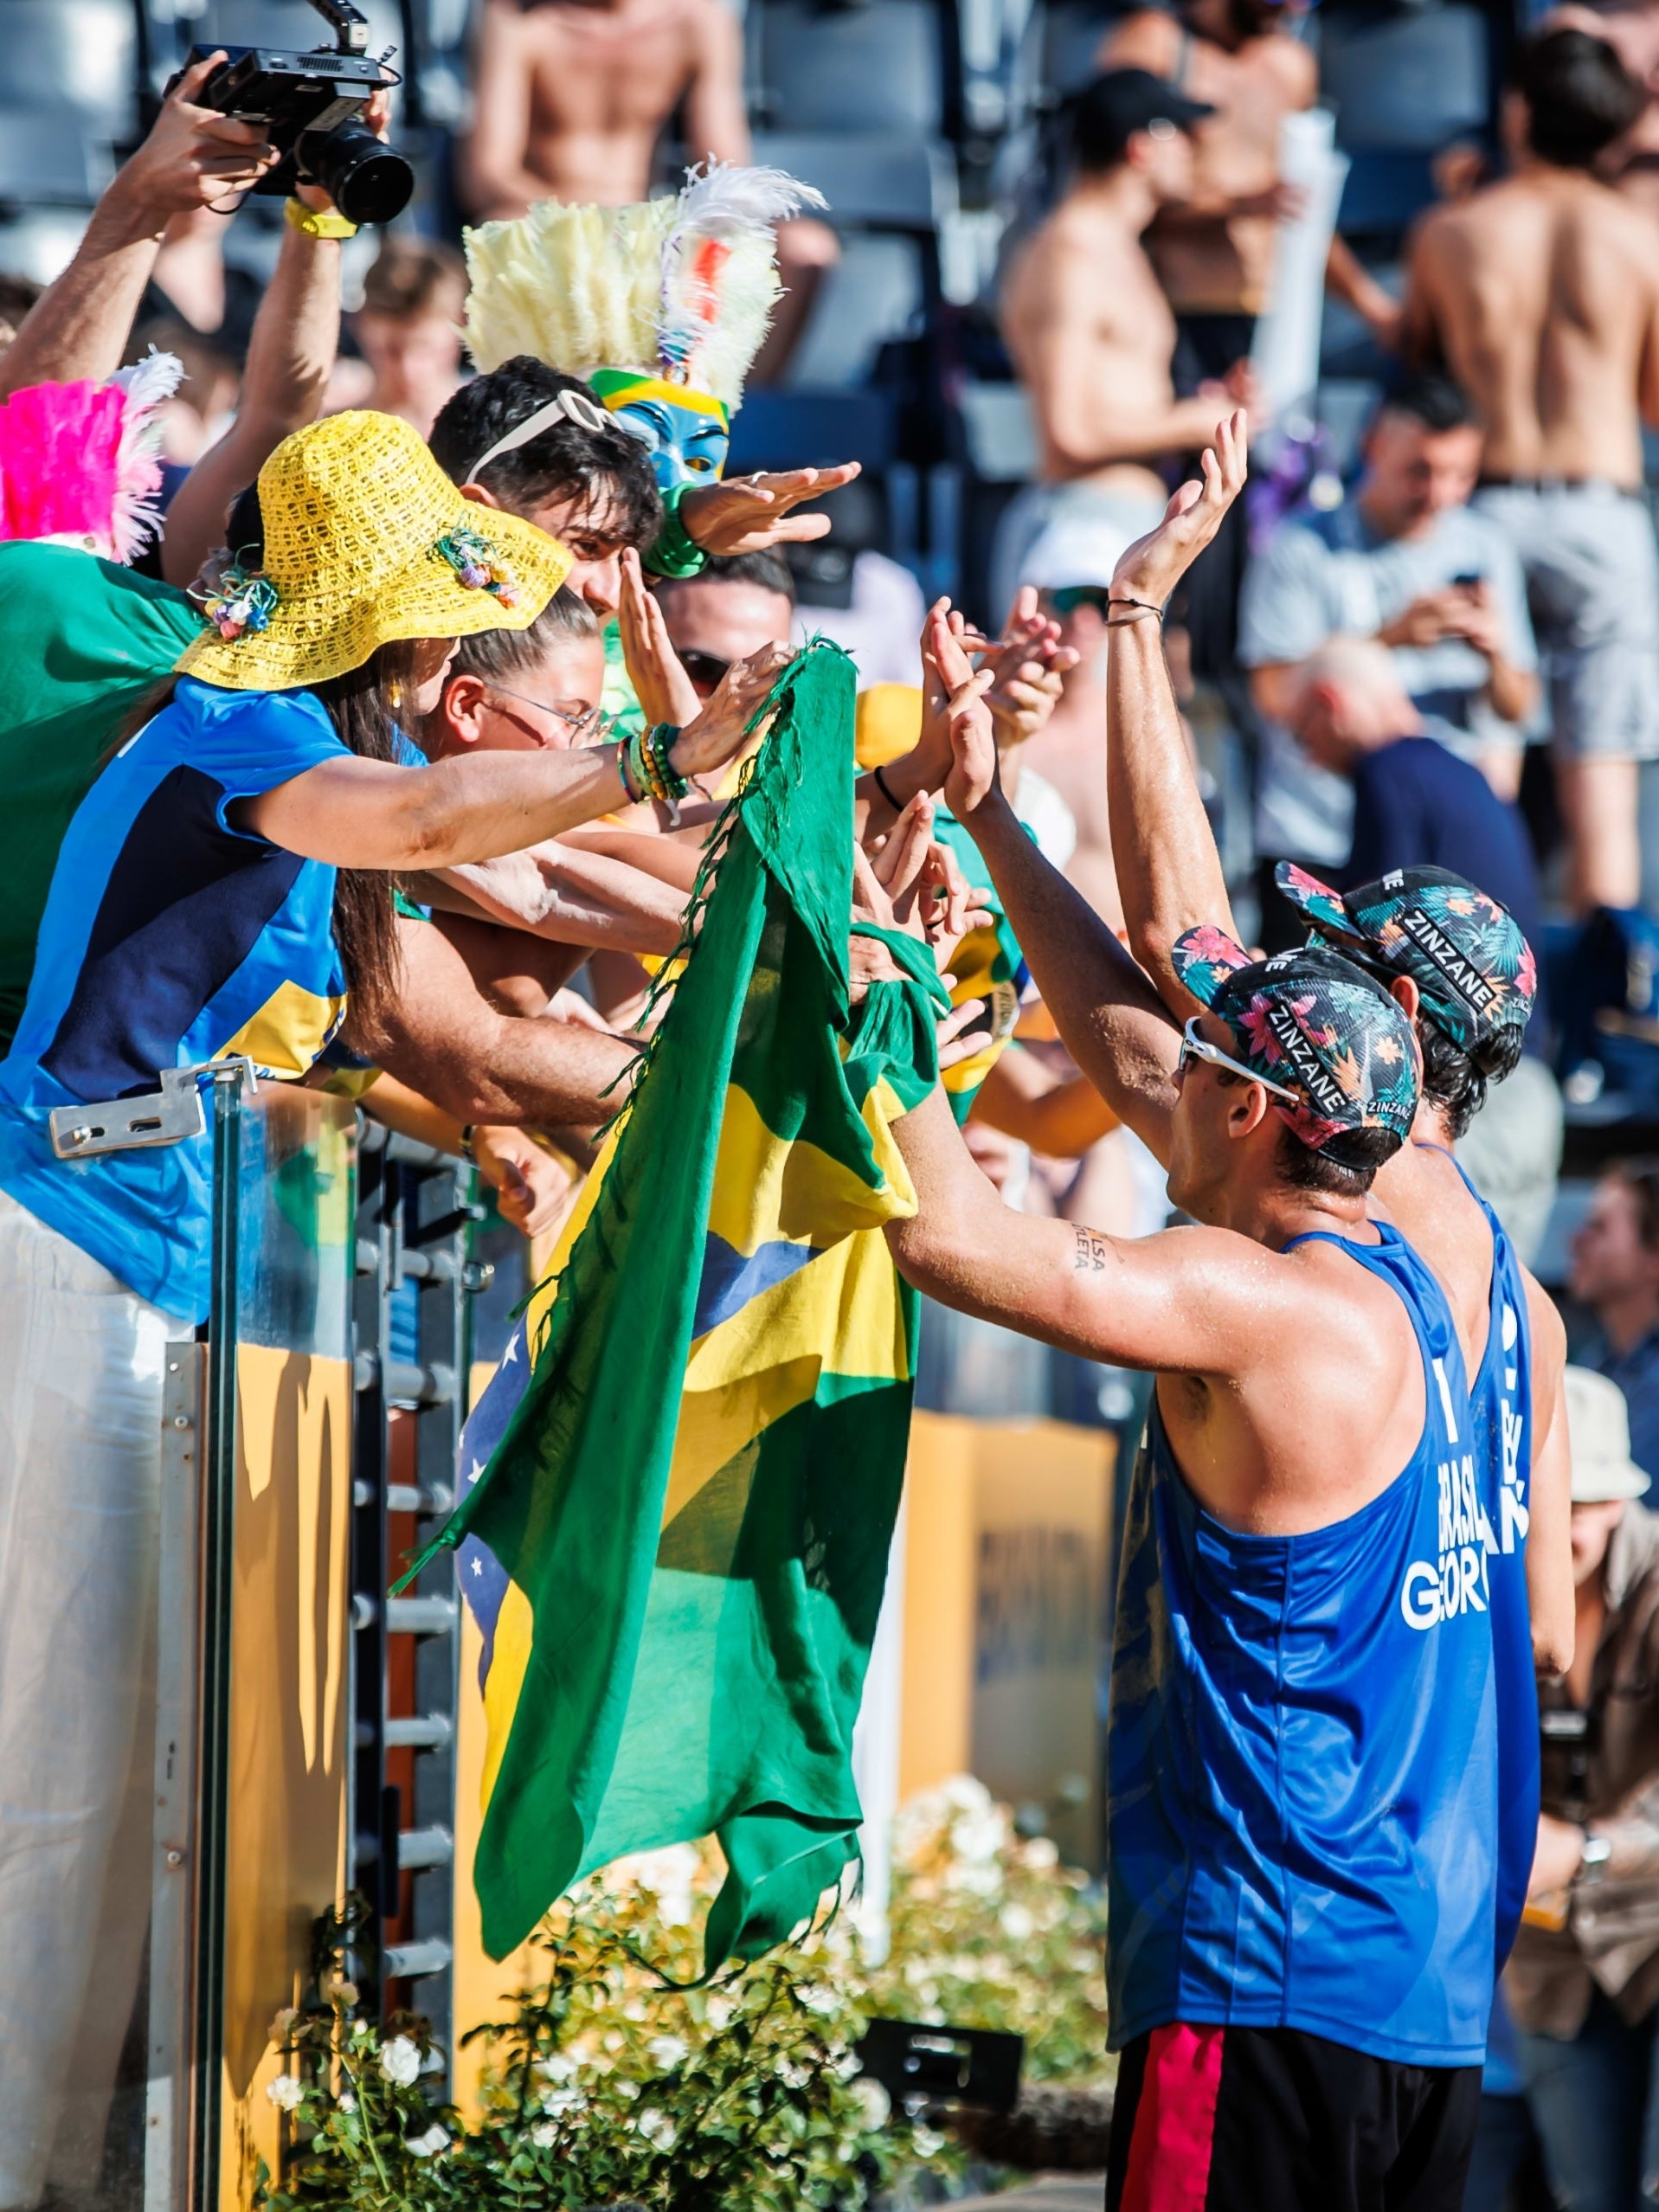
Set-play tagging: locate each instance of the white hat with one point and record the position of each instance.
(1076, 550)
(1599, 1430)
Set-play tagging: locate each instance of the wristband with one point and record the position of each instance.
(1140, 605)
(466, 1137)
(898, 805)
(676, 553)
(316, 222)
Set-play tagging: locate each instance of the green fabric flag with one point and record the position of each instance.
(678, 1547)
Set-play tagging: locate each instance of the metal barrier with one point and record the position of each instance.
(304, 1731)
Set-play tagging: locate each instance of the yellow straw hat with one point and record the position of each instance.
(366, 540)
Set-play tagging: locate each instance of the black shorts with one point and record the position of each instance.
(1269, 2119)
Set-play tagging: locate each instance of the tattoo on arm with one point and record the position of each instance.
(1093, 1251)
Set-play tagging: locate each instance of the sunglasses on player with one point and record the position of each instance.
(705, 670)
(1194, 1047)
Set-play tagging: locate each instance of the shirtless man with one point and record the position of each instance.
(1541, 295)
(570, 96)
(1301, 1853)
(1091, 331)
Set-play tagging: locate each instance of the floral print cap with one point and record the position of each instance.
(1463, 949)
(1314, 1022)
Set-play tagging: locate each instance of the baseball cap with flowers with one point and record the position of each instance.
(1314, 1024)
(1464, 950)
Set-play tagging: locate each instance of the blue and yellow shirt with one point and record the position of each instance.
(169, 938)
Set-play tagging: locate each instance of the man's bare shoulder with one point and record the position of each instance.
(1291, 64)
(1148, 38)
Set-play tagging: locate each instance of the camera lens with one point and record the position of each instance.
(366, 180)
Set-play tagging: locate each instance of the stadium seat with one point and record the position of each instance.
(783, 428)
(1383, 193)
(877, 292)
(1072, 32)
(48, 158)
(889, 182)
(70, 54)
(1409, 83)
(877, 67)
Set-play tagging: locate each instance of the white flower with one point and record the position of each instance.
(818, 1999)
(1042, 1854)
(436, 2138)
(283, 2022)
(847, 2066)
(875, 2106)
(348, 2102)
(361, 2031)
(627, 2091)
(979, 1836)
(657, 2129)
(560, 2067)
(966, 1793)
(343, 1993)
(666, 2052)
(793, 2074)
(929, 2142)
(286, 2092)
(543, 2134)
(1017, 1923)
(559, 2101)
(400, 2062)
(718, 2009)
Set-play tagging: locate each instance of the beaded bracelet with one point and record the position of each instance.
(661, 740)
(633, 788)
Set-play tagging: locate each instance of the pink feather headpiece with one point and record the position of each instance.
(78, 463)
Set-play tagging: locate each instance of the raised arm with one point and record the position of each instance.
(359, 813)
(291, 356)
(80, 325)
(1168, 870)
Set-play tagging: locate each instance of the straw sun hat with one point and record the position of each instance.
(366, 540)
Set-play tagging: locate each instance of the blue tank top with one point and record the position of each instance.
(1501, 1403)
(1302, 1747)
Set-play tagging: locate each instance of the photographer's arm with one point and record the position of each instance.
(80, 325)
(290, 357)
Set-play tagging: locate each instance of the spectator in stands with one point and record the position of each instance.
(1631, 164)
(1582, 1979)
(1615, 1272)
(1213, 248)
(569, 99)
(191, 159)
(847, 588)
(1090, 332)
(1406, 561)
(409, 328)
(1418, 804)
(732, 608)
(1561, 375)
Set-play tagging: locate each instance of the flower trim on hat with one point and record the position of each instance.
(477, 563)
(245, 600)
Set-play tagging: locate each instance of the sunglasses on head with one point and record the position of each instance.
(705, 669)
(1194, 1047)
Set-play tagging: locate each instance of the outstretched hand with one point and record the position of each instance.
(746, 514)
(720, 731)
(1150, 568)
(963, 712)
(913, 884)
(1028, 665)
(661, 683)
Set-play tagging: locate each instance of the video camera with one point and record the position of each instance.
(311, 107)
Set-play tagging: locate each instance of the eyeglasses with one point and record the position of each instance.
(706, 670)
(592, 728)
(1194, 1047)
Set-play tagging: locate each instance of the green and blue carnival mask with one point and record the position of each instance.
(687, 434)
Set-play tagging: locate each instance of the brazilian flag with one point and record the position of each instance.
(676, 1547)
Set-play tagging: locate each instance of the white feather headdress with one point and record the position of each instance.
(682, 289)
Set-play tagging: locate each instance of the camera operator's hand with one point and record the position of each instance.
(376, 116)
(192, 157)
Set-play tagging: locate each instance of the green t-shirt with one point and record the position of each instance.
(81, 641)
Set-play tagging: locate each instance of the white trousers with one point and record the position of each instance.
(81, 1365)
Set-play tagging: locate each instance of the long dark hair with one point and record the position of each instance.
(362, 705)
